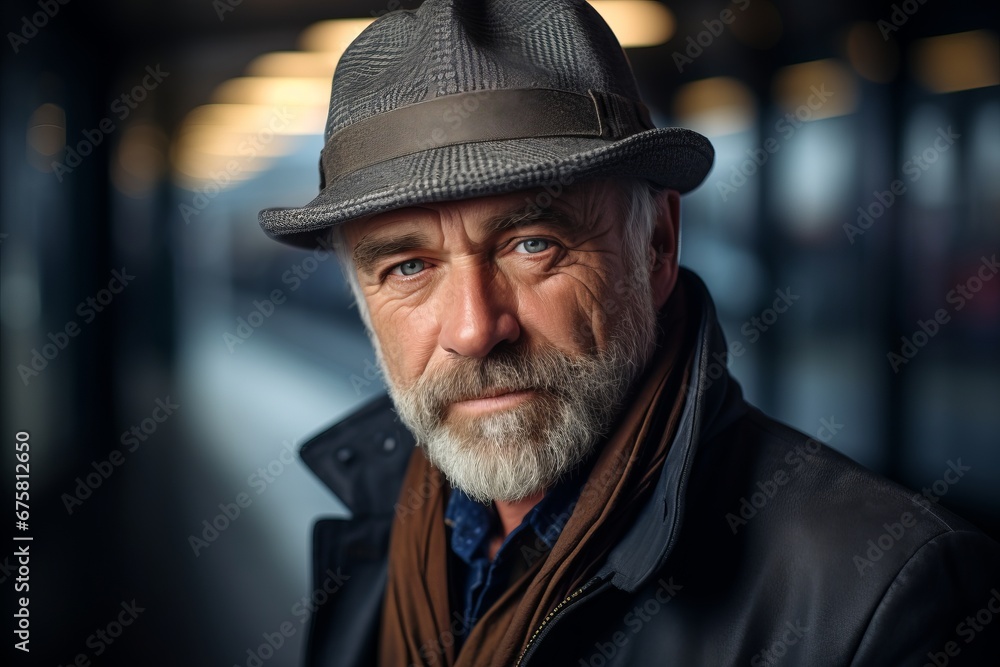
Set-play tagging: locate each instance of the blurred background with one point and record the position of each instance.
(160, 375)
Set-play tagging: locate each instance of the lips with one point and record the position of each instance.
(492, 400)
(491, 393)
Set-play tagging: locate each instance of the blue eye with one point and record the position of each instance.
(409, 268)
(533, 246)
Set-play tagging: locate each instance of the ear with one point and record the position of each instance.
(664, 246)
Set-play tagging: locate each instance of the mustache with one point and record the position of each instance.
(507, 368)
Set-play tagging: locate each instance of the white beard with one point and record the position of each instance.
(513, 453)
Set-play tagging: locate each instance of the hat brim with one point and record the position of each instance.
(676, 158)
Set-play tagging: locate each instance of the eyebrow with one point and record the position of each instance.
(370, 251)
(525, 217)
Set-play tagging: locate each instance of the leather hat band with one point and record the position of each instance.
(481, 115)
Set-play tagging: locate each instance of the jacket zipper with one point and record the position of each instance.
(572, 597)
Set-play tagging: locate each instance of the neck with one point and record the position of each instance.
(511, 515)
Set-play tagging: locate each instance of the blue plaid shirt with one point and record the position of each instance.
(476, 581)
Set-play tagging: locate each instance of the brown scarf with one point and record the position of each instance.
(418, 627)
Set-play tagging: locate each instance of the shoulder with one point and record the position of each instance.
(815, 491)
(833, 541)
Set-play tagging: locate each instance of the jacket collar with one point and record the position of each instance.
(363, 458)
(711, 403)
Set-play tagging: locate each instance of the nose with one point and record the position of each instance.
(478, 313)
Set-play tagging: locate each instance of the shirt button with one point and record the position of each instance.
(345, 454)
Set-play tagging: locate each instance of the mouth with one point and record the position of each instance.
(492, 401)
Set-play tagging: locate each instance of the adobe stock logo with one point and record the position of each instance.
(754, 503)
(786, 126)
(122, 107)
(62, 337)
(635, 620)
(792, 633)
(913, 169)
(31, 25)
(229, 512)
(894, 531)
(248, 150)
(696, 44)
(963, 292)
(273, 641)
(87, 484)
(901, 13)
(967, 630)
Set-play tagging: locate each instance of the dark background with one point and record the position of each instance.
(242, 404)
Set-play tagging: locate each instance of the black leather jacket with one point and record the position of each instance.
(760, 546)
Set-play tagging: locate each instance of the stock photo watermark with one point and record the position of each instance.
(793, 632)
(59, 340)
(371, 373)
(967, 630)
(786, 127)
(122, 107)
(635, 620)
(264, 309)
(223, 7)
(31, 25)
(431, 651)
(7, 569)
(130, 440)
(901, 13)
(913, 168)
(752, 330)
(926, 329)
(104, 637)
(795, 462)
(894, 531)
(273, 641)
(22, 617)
(696, 44)
(229, 512)
(248, 149)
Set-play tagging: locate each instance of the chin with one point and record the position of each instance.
(512, 454)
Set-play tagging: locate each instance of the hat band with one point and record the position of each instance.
(481, 115)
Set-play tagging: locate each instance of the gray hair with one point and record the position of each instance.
(640, 219)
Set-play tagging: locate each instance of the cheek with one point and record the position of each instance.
(564, 314)
(579, 311)
(407, 338)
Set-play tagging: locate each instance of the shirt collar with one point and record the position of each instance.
(473, 523)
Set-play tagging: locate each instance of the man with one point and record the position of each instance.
(508, 218)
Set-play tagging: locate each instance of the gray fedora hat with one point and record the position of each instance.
(469, 98)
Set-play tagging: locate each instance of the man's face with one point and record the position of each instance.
(509, 334)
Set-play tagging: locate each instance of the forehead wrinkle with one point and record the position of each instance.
(526, 217)
(369, 250)
(580, 209)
